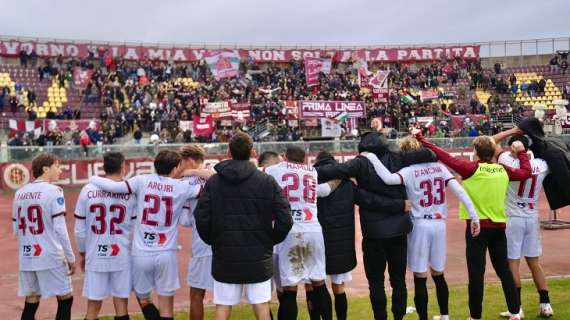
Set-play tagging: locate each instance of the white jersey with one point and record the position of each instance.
(522, 197)
(199, 247)
(103, 228)
(299, 184)
(426, 188)
(159, 207)
(38, 218)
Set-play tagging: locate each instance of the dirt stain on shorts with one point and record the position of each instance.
(299, 255)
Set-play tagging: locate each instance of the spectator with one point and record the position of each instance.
(34, 58)
(137, 135)
(564, 66)
(13, 102)
(85, 142)
(24, 58)
(554, 63)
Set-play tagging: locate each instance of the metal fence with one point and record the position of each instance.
(17, 154)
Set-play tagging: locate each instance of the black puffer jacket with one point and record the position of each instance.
(389, 220)
(556, 154)
(235, 216)
(336, 216)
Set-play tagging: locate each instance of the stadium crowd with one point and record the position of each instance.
(153, 96)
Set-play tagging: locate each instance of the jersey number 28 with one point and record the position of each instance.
(309, 187)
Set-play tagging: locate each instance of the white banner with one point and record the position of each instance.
(329, 128)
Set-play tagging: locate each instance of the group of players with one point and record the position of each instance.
(127, 230)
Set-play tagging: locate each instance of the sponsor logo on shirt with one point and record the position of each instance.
(152, 239)
(34, 250)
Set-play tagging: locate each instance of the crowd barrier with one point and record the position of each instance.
(77, 167)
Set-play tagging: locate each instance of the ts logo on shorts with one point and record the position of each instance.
(60, 201)
(152, 239)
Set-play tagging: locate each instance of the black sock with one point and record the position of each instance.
(166, 318)
(442, 292)
(340, 306)
(544, 298)
(29, 312)
(288, 306)
(150, 312)
(421, 297)
(125, 317)
(519, 294)
(311, 306)
(64, 309)
(323, 302)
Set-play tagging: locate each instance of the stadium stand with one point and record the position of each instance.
(153, 97)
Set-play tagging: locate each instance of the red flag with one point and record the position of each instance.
(81, 77)
(203, 127)
(313, 67)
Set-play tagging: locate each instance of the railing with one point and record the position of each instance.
(16, 154)
(489, 49)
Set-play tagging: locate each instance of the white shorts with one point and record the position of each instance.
(341, 278)
(276, 275)
(200, 273)
(46, 283)
(102, 285)
(159, 272)
(302, 258)
(427, 246)
(230, 294)
(523, 238)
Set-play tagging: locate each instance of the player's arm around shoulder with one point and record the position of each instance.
(204, 210)
(80, 229)
(281, 210)
(57, 203)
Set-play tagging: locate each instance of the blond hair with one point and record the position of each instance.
(410, 143)
(485, 148)
(194, 152)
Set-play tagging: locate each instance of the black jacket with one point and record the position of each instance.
(336, 216)
(235, 216)
(557, 155)
(386, 221)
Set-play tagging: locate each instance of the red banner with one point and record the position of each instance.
(11, 48)
(203, 127)
(76, 173)
(47, 124)
(81, 77)
(313, 67)
(331, 109)
(73, 125)
(240, 111)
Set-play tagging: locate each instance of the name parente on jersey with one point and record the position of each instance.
(427, 171)
(29, 195)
